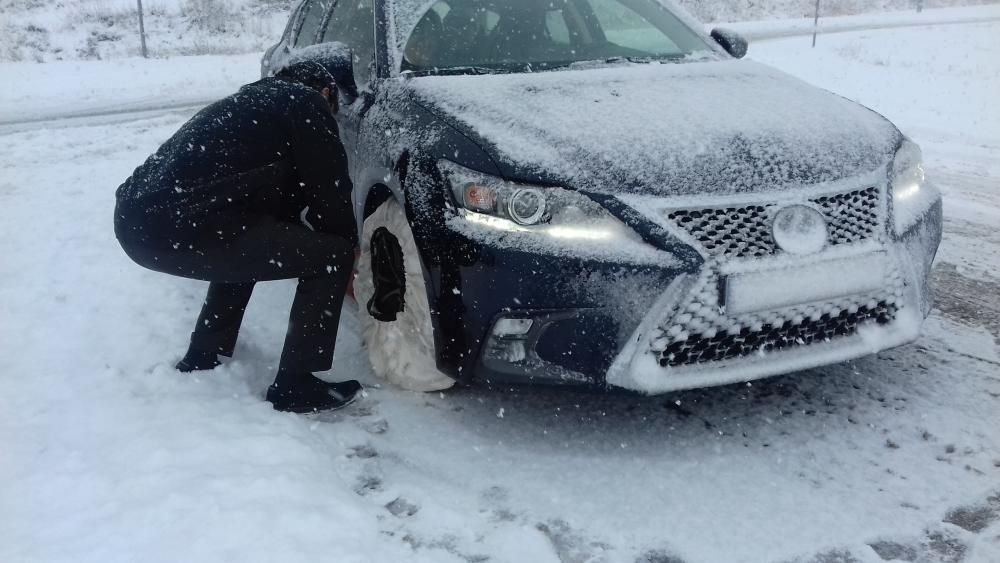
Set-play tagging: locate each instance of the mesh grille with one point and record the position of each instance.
(700, 330)
(851, 216)
(745, 231)
(731, 231)
(772, 337)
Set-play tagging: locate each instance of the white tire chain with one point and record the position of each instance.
(401, 352)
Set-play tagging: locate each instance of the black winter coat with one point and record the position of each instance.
(208, 182)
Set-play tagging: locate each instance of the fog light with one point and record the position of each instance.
(512, 328)
(508, 340)
(511, 351)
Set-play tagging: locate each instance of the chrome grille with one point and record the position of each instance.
(851, 216)
(700, 330)
(729, 231)
(774, 337)
(745, 231)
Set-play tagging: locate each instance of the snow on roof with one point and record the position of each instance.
(688, 128)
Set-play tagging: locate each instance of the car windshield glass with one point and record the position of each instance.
(505, 34)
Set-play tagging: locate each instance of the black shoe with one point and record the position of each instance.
(305, 393)
(198, 360)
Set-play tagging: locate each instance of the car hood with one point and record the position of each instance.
(664, 129)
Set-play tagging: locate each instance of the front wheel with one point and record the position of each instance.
(392, 297)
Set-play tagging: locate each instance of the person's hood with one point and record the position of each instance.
(688, 128)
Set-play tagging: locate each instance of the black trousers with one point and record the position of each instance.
(270, 249)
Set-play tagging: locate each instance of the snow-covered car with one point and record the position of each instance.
(597, 192)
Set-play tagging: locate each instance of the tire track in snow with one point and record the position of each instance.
(970, 301)
(102, 116)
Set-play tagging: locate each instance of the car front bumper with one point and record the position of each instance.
(656, 328)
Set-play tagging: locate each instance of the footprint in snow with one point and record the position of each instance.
(937, 546)
(401, 508)
(377, 426)
(976, 518)
(368, 484)
(364, 451)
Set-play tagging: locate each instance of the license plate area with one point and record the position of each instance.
(776, 288)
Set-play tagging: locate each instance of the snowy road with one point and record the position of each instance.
(110, 455)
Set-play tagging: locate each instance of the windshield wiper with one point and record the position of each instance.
(670, 59)
(456, 70)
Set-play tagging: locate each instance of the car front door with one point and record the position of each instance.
(353, 24)
(301, 31)
(315, 14)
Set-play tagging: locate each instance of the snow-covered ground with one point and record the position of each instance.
(783, 27)
(45, 31)
(108, 454)
(69, 88)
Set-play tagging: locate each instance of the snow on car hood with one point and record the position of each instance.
(690, 128)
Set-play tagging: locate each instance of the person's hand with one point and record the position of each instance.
(332, 95)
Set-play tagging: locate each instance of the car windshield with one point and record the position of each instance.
(480, 35)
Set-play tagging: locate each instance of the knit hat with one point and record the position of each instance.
(310, 73)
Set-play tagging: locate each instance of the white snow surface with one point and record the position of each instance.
(67, 88)
(668, 129)
(789, 26)
(108, 454)
(45, 30)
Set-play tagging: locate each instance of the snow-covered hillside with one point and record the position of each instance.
(746, 10)
(46, 30)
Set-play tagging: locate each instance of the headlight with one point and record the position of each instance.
(523, 204)
(496, 202)
(911, 196)
(539, 219)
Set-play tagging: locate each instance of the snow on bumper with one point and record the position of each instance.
(692, 339)
(642, 370)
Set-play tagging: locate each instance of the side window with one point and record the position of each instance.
(315, 11)
(353, 24)
(293, 22)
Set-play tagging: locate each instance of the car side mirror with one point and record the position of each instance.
(338, 58)
(734, 43)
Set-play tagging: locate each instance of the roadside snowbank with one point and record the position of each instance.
(45, 31)
(783, 27)
(67, 88)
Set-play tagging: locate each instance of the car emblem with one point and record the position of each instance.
(798, 229)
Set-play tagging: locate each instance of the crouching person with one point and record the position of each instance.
(254, 188)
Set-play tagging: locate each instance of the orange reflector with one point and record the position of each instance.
(480, 198)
